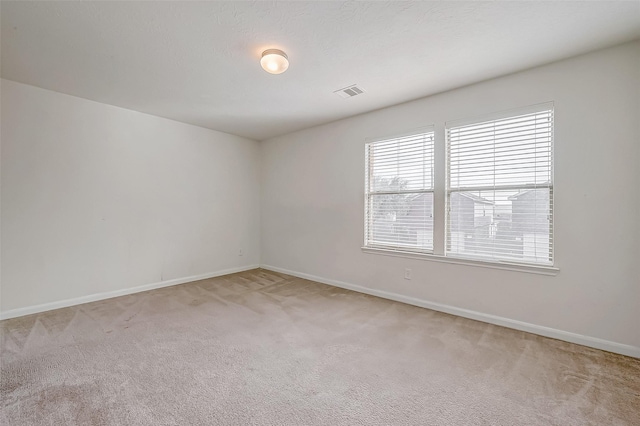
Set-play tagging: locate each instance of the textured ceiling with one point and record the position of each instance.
(198, 62)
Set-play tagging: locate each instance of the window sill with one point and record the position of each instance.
(531, 269)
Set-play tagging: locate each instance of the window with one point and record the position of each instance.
(494, 194)
(500, 188)
(399, 192)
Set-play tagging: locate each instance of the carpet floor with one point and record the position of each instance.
(263, 348)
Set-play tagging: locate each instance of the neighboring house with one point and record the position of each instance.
(531, 211)
(517, 227)
(470, 221)
(401, 221)
(411, 221)
(530, 223)
(420, 232)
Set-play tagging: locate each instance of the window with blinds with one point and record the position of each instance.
(499, 189)
(399, 193)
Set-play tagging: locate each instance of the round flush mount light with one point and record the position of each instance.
(274, 61)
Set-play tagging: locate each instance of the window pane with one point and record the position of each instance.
(399, 184)
(508, 152)
(401, 220)
(501, 224)
(499, 186)
(402, 163)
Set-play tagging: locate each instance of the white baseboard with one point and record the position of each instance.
(579, 339)
(593, 342)
(109, 294)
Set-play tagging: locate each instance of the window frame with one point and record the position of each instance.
(505, 115)
(368, 194)
(441, 190)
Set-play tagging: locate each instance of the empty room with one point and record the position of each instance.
(320, 213)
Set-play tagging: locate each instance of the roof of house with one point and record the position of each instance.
(476, 198)
(524, 192)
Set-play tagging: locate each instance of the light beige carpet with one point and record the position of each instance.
(261, 348)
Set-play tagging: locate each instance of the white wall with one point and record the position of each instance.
(99, 199)
(313, 186)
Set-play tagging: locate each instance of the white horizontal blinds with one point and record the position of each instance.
(500, 188)
(399, 193)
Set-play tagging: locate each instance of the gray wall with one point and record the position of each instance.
(99, 199)
(313, 194)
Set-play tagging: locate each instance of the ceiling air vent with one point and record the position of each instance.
(349, 91)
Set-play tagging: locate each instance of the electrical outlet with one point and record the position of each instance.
(241, 252)
(407, 274)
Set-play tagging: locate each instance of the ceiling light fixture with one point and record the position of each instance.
(274, 61)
